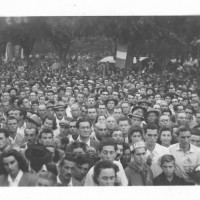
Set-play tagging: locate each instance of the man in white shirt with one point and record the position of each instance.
(66, 168)
(187, 156)
(107, 151)
(154, 150)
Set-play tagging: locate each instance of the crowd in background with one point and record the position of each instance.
(91, 124)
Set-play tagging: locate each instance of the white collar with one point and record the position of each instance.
(16, 181)
(79, 139)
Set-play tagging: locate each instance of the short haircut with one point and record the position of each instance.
(44, 131)
(5, 132)
(107, 142)
(82, 159)
(68, 157)
(76, 144)
(167, 158)
(11, 118)
(36, 129)
(124, 119)
(83, 120)
(151, 126)
(132, 130)
(104, 164)
(183, 128)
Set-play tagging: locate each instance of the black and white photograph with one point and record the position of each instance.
(99, 99)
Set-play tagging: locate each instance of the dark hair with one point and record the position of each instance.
(83, 120)
(11, 118)
(104, 164)
(183, 128)
(5, 132)
(22, 164)
(82, 159)
(151, 126)
(69, 157)
(36, 129)
(53, 119)
(124, 119)
(97, 118)
(167, 158)
(164, 128)
(75, 145)
(45, 130)
(107, 142)
(132, 130)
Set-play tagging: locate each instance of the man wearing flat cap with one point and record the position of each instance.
(60, 112)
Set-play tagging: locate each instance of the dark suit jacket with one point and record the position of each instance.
(26, 180)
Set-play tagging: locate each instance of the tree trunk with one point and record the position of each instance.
(129, 57)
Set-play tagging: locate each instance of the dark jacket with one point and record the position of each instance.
(137, 177)
(161, 180)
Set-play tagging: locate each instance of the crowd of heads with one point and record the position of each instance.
(98, 125)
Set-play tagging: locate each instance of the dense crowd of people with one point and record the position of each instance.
(90, 124)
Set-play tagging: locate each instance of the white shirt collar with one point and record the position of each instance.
(79, 139)
(15, 182)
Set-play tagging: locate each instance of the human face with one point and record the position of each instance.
(11, 113)
(78, 151)
(151, 137)
(157, 97)
(42, 100)
(189, 113)
(80, 98)
(126, 156)
(151, 117)
(126, 108)
(108, 153)
(75, 111)
(33, 96)
(110, 105)
(48, 123)
(67, 169)
(195, 140)
(12, 125)
(81, 171)
(101, 132)
(3, 141)
(136, 121)
(92, 113)
(156, 107)
(84, 129)
(111, 122)
(26, 103)
(46, 138)
(136, 137)
(140, 156)
(118, 136)
(60, 113)
(106, 177)
(166, 138)
(174, 102)
(102, 109)
(101, 119)
(6, 96)
(184, 139)
(168, 168)
(164, 105)
(182, 118)
(30, 135)
(124, 126)
(22, 95)
(164, 121)
(11, 166)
